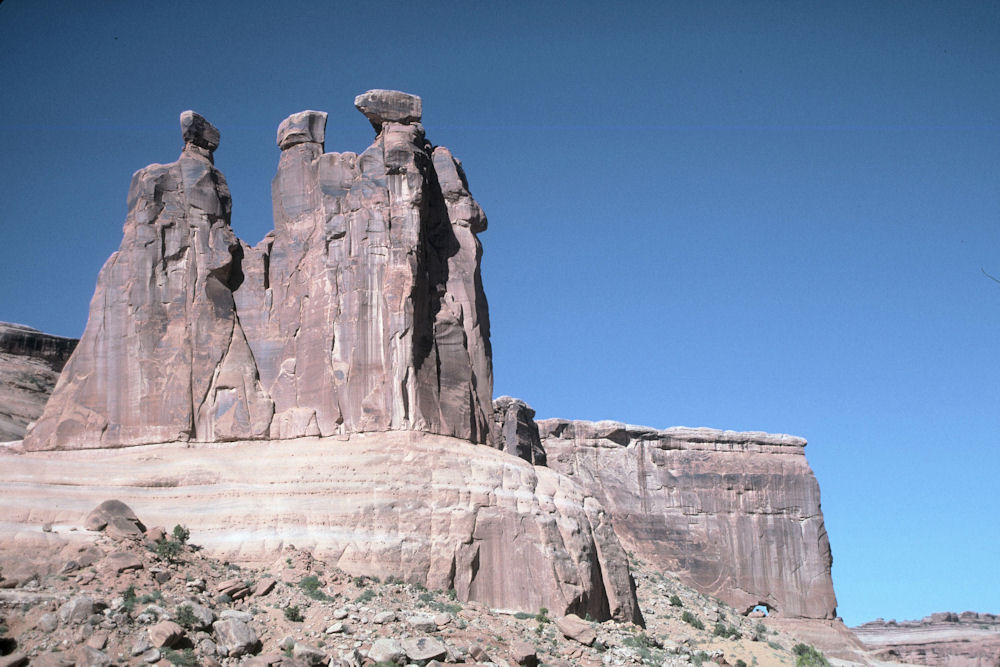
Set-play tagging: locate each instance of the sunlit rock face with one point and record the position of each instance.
(163, 357)
(362, 311)
(733, 514)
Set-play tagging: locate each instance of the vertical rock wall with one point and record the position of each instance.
(736, 515)
(362, 311)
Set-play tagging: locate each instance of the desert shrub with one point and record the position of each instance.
(741, 663)
(543, 616)
(293, 613)
(148, 598)
(523, 615)
(759, 632)
(692, 620)
(675, 601)
(168, 549)
(367, 595)
(728, 631)
(311, 586)
(807, 656)
(185, 616)
(129, 597)
(181, 534)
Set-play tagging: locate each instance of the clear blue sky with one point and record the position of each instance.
(738, 215)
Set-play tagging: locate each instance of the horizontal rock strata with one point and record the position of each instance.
(425, 508)
(735, 515)
(30, 363)
(362, 311)
(968, 639)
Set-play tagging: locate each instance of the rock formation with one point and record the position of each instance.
(362, 311)
(968, 639)
(735, 515)
(516, 431)
(30, 362)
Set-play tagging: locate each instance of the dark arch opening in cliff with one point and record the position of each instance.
(759, 610)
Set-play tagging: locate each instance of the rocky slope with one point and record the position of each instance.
(131, 595)
(362, 311)
(968, 639)
(30, 363)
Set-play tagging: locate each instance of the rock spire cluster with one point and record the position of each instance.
(362, 311)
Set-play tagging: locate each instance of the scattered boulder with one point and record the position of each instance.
(235, 637)
(263, 587)
(77, 609)
(524, 654)
(424, 649)
(422, 623)
(199, 617)
(165, 634)
(198, 131)
(47, 622)
(575, 628)
(116, 514)
(310, 655)
(14, 660)
(121, 561)
(386, 650)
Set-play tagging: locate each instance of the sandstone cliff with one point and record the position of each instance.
(30, 363)
(362, 311)
(735, 515)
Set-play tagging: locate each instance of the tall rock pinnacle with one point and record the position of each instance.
(163, 357)
(362, 311)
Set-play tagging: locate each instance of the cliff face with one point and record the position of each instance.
(956, 640)
(362, 311)
(30, 363)
(735, 515)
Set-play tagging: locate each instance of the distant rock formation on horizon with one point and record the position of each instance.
(968, 639)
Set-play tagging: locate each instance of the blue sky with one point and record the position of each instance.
(759, 216)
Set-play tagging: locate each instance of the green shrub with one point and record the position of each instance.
(543, 616)
(741, 663)
(168, 549)
(675, 601)
(523, 615)
(692, 620)
(366, 596)
(728, 631)
(311, 586)
(185, 616)
(759, 632)
(129, 596)
(807, 656)
(181, 534)
(293, 613)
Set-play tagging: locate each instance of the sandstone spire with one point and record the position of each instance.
(163, 357)
(362, 311)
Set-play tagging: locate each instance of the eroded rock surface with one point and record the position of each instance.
(30, 363)
(968, 639)
(362, 311)
(425, 508)
(735, 515)
(163, 357)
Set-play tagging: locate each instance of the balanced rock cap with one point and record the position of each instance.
(380, 106)
(302, 127)
(198, 131)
